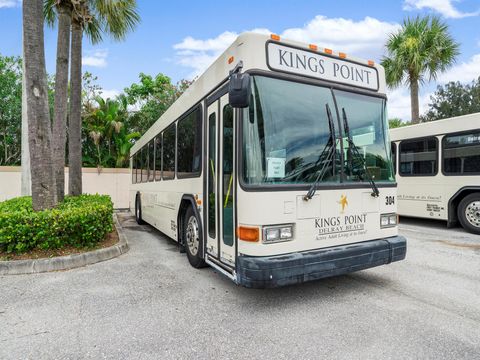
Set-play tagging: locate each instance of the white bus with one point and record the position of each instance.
(438, 170)
(274, 167)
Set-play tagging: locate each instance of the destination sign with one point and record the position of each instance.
(307, 63)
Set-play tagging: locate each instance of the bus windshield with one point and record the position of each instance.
(286, 130)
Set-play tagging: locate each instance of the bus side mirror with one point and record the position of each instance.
(239, 90)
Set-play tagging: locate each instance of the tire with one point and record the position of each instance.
(138, 211)
(468, 213)
(193, 239)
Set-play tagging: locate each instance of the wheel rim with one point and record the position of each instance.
(472, 213)
(193, 235)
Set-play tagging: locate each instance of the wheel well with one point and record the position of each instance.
(455, 201)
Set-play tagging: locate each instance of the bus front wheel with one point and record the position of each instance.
(138, 211)
(193, 240)
(469, 213)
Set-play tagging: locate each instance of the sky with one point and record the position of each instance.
(181, 38)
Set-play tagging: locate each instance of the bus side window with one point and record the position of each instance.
(189, 144)
(419, 157)
(158, 157)
(168, 171)
(394, 157)
(145, 163)
(151, 161)
(134, 173)
(461, 153)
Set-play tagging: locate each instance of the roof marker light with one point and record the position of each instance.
(342, 55)
(313, 47)
(230, 59)
(371, 62)
(328, 51)
(275, 37)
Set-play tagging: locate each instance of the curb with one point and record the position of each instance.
(17, 267)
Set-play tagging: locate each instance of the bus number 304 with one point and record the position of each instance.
(389, 200)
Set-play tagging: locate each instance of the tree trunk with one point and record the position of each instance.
(75, 120)
(26, 188)
(39, 127)
(414, 101)
(61, 97)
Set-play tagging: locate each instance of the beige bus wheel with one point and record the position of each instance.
(469, 213)
(193, 240)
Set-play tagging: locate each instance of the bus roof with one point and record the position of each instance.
(438, 127)
(253, 49)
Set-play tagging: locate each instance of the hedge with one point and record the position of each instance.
(80, 221)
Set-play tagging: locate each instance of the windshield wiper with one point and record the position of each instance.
(327, 155)
(353, 151)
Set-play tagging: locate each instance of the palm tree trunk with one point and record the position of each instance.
(414, 101)
(39, 127)
(61, 97)
(75, 120)
(26, 179)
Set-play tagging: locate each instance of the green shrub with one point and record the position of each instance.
(80, 221)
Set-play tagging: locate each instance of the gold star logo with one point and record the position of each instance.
(343, 202)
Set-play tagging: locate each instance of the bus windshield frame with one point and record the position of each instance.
(281, 146)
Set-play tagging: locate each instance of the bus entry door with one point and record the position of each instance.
(220, 222)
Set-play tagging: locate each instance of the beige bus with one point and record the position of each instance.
(438, 170)
(274, 167)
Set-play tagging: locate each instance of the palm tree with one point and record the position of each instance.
(39, 128)
(419, 51)
(105, 125)
(64, 14)
(96, 17)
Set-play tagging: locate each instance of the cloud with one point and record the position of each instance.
(9, 3)
(444, 7)
(97, 58)
(464, 72)
(364, 38)
(398, 104)
(113, 93)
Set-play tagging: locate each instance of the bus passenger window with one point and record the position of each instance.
(145, 163)
(394, 157)
(138, 164)
(189, 144)
(418, 157)
(134, 172)
(169, 153)
(151, 161)
(158, 157)
(461, 153)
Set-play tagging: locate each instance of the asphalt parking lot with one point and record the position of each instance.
(150, 304)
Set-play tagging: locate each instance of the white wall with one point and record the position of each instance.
(113, 182)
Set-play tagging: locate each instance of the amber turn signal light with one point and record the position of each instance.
(251, 234)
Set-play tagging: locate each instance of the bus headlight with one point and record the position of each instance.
(277, 233)
(388, 220)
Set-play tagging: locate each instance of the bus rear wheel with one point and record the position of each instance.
(193, 240)
(469, 213)
(138, 211)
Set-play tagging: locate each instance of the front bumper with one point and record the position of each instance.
(281, 270)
